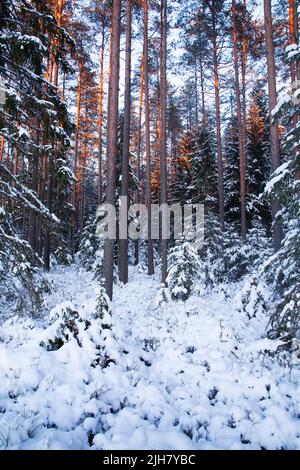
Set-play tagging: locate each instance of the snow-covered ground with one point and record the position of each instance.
(184, 376)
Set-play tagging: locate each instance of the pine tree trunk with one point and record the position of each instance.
(138, 164)
(1, 148)
(240, 126)
(82, 182)
(112, 135)
(218, 118)
(295, 66)
(101, 93)
(274, 138)
(58, 15)
(32, 236)
(292, 16)
(163, 136)
(204, 119)
(76, 152)
(47, 246)
(123, 244)
(147, 138)
(196, 100)
(244, 70)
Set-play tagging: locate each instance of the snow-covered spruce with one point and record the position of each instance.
(183, 270)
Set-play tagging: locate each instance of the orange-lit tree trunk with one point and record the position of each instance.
(82, 181)
(147, 139)
(240, 126)
(163, 136)
(244, 70)
(292, 31)
(58, 15)
(274, 137)
(218, 117)
(112, 136)
(101, 94)
(76, 153)
(123, 243)
(1, 148)
(138, 161)
(49, 198)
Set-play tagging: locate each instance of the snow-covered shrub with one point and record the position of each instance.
(225, 258)
(66, 324)
(93, 332)
(183, 270)
(253, 298)
(20, 285)
(103, 311)
(90, 254)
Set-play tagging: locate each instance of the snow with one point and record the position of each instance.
(186, 375)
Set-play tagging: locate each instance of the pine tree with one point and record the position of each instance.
(204, 185)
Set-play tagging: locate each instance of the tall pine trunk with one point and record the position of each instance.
(204, 119)
(123, 244)
(101, 94)
(163, 133)
(138, 162)
(274, 137)
(147, 138)
(240, 126)
(218, 117)
(112, 136)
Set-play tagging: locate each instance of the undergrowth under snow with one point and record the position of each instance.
(191, 375)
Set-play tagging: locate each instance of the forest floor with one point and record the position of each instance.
(191, 375)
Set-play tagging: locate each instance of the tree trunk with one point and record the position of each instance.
(47, 246)
(274, 138)
(292, 16)
(112, 136)
(101, 93)
(240, 126)
(163, 135)
(123, 244)
(82, 172)
(76, 153)
(204, 119)
(33, 218)
(147, 138)
(196, 100)
(218, 118)
(244, 70)
(58, 15)
(295, 66)
(1, 148)
(138, 164)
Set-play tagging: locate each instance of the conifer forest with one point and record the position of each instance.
(149, 225)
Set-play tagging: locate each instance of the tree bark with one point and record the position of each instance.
(244, 70)
(274, 137)
(240, 126)
(101, 94)
(76, 153)
(147, 138)
(123, 244)
(163, 135)
(112, 136)
(204, 119)
(218, 118)
(138, 164)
